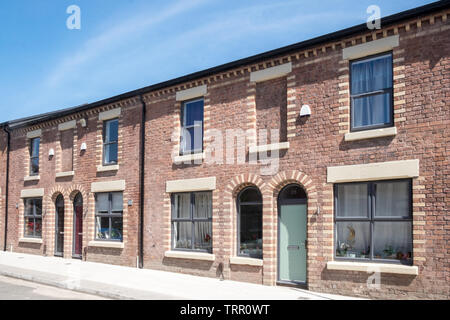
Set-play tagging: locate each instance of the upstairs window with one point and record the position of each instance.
(34, 156)
(371, 93)
(110, 142)
(192, 127)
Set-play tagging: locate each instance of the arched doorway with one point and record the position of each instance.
(77, 227)
(292, 235)
(59, 224)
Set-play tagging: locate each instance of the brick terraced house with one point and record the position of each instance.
(350, 196)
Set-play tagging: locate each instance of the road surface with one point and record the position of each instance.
(14, 289)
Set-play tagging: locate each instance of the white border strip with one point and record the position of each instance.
(201, 184)
(370, 48)
(374, 171)
(192, 93)
(109, 186)
(271, 73)
(32, 193)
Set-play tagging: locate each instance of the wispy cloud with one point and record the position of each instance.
(142, 49)
(132, 27)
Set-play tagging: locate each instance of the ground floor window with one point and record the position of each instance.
(374, 221)
(192, 221)
(250, 207)
(33, 218)
(109, 216)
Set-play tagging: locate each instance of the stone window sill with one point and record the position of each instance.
(102, 168)
(371, 134)
(190, 255)
(65, 174)
(107, 244)
(246, 261)
(30, 240)
(32, 178)
(270, 147)
(190, 157)
(373, 267)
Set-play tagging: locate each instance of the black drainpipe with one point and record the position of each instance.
(142, 185)
(8, 133)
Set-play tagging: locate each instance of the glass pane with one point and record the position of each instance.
(102, 228)
(29, 227)
(102, 202)
(29, 207)
(353, 240)
(38, 206)
(182, 235)
(38, 227)
(112, 131)
(193, 113)
(392, 199)
(111, 152)
(293, 193)
(250, 195)
(372, 74)
(393, 241)
(182, 206)
(203, 205)
(250, 224)
(116, 229)
(117, 201)
(372, 110)
(352, 200)
(34, 166)
(192, 139)
(35, 143)
(203, 236)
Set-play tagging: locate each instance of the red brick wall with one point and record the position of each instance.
(319, 79)
(421, 119)
(85, 167)
(271, 107)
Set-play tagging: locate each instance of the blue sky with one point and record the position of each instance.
(124, 45)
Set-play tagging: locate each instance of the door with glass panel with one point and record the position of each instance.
(59, 224)
(292, 237)
(77, 226)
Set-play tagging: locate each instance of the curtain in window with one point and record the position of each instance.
(182, 203)
(203, 203)
(392, 199)
(353, 200)
(372, 75)
(182, 234)
(371, 110)
(203, 230)
(392, 240)
(353, 239)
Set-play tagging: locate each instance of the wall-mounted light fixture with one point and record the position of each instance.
(83, 146)
(51, 153)
(83, 123)
(305, 111)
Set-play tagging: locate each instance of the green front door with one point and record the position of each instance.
(292, 243)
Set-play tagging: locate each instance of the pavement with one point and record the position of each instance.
(125, 283)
